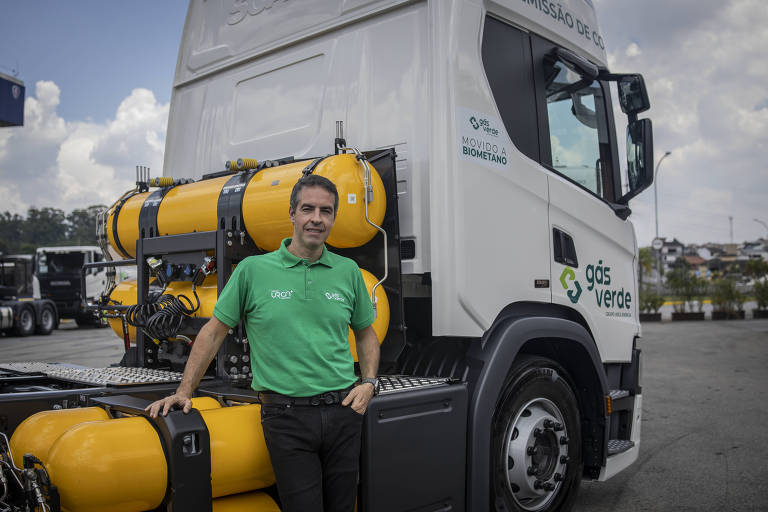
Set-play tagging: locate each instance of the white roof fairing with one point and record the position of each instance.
(571, 23)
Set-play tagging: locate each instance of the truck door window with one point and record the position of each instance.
(506, 53)
(578, 132)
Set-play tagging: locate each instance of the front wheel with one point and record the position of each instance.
(536, 455)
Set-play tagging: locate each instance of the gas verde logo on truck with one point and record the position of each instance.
(482, 139)
(599, 281)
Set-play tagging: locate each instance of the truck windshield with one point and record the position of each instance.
(57, 263)
(577, 128)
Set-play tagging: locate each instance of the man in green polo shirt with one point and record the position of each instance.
(297, 304)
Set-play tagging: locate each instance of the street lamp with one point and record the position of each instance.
(655, 190)
(656, 208)
(763, 223)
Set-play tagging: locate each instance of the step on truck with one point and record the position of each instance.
(476, 150)
(22, 311)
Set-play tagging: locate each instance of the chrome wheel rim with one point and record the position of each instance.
(536, 450)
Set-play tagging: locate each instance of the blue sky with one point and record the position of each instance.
(99, 75)
(97, 52)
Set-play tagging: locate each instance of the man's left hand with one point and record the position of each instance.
(359, 397)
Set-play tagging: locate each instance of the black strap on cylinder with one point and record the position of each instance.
(186, 442)
(311, 167)
(119, 207)
(229, 209)
(148, 213)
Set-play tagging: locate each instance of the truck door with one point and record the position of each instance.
(592, 249)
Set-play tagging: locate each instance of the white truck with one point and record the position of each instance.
(511, 364)
(512, 208)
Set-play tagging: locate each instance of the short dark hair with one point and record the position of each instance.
(314, 180)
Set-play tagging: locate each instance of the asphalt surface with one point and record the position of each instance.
(703, 446)
(88, 346)
(704, 410)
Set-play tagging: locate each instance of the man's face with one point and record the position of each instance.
(313, 218)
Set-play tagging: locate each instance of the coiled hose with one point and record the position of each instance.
(162, 318)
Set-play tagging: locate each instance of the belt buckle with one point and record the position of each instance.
(329, 398)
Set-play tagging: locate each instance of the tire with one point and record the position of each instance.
(47, 320)
(536, 442)
(25, 321)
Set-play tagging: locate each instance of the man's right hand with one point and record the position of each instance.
(166, 403)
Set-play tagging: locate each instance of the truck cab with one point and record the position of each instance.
(57, 271)
(22, 310)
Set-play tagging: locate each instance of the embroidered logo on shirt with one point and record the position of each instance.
(334, 296)
(282, 294)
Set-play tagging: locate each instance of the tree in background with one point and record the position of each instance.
(688, 288)
(10, 232)
(644, 262)
(47, 227)
(81, 225)
(758, 269)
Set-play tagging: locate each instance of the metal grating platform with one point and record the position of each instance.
(616, 446)
(400, 383)
(113, 376)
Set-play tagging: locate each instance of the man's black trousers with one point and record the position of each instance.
(315, 452)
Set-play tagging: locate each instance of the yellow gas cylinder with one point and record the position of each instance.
(37, 433)
(119, 465)
(381, 323)
(125, 294)
(250, 501)
(204, 403)
(265, 204)
(115, 465)
(239, 457)
(193, 206)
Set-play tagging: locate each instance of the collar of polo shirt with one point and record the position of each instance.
(290, 260)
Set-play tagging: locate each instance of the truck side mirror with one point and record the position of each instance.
(639, 158)
(633, 96)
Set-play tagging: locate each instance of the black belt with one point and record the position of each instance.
(327, 398)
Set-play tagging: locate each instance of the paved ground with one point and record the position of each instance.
(88, 346)
(704, 410)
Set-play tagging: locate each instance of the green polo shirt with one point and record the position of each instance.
(296, 315)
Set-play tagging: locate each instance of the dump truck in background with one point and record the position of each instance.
(475, 149)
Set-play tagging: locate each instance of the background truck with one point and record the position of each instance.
(58, 271)
(480, 189)
(22, 311)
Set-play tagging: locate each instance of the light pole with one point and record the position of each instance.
(656, 190)
(656, 209)
(763, 224)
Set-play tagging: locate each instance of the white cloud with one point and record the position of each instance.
(632, 50)
(705, 68)
(68, 165)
